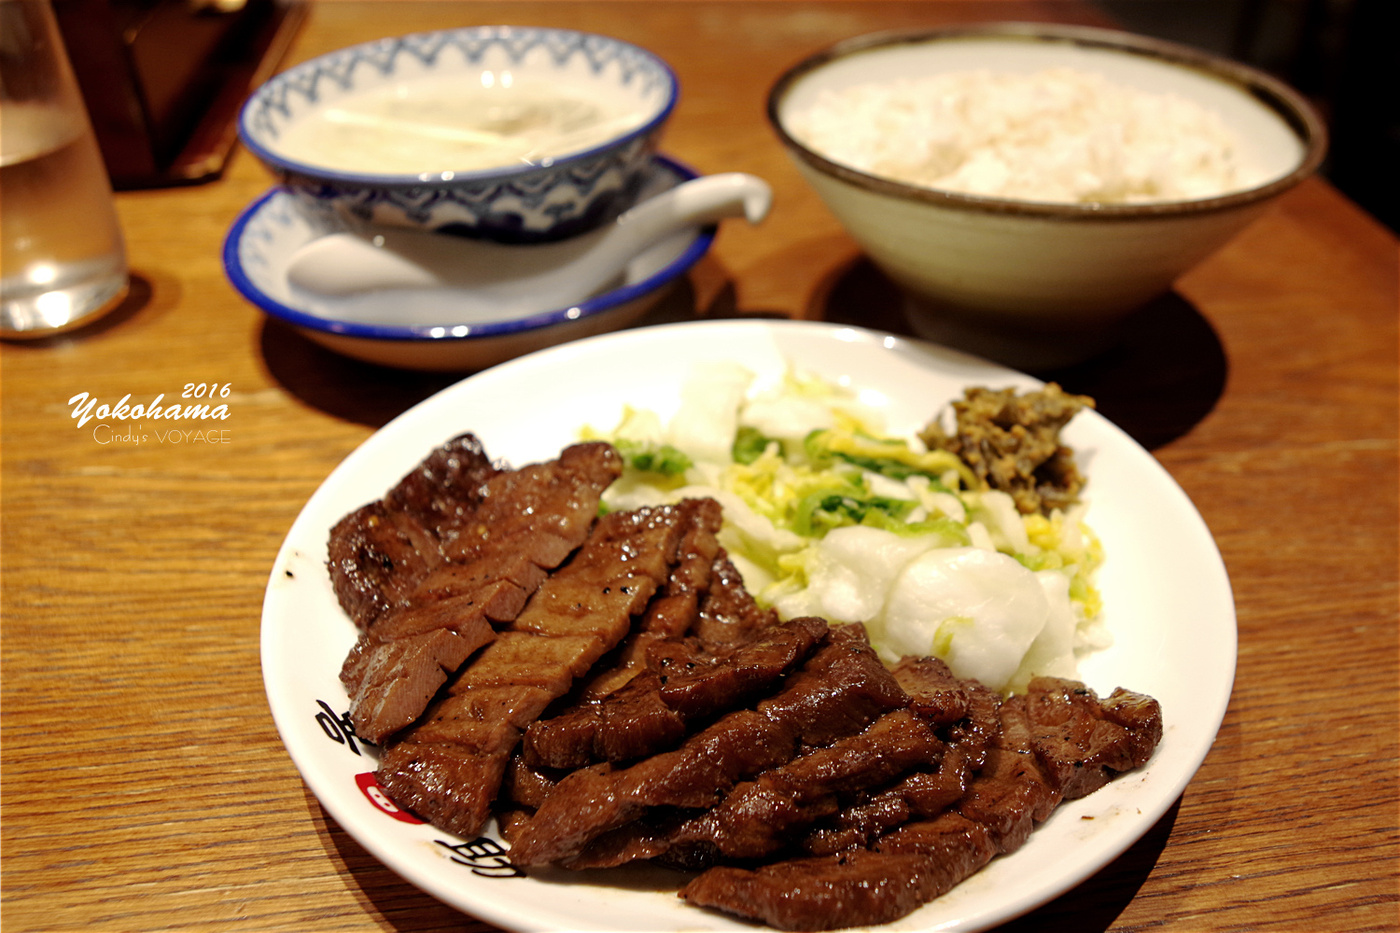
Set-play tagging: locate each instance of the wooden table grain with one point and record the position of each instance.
(143, 784)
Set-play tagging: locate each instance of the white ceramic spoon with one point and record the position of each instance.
(497, 280)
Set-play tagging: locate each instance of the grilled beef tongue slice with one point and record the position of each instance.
(752, 670)
(860, 887)
(515, 528)
(729, 615)
(1083, 740)
(630, 723)
(758, 817)
(380, 552)
(652, 711)
(935, 692)
(1012, 792)
(841, 688)
(915, 795)
(670, 614)
(448, 766)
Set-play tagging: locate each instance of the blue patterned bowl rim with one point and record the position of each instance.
(237, 275)
(381, 49)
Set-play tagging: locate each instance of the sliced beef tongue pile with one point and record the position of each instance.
(486, 538)
(686, 683)
(702, 636)
(1056, 742)
(842, 792)
(601, 815)
(449, 765)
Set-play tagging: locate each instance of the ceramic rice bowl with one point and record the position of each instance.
(1045, 279)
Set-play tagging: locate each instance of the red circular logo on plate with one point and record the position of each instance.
(375, 794)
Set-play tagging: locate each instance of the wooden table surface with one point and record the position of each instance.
(145, 788)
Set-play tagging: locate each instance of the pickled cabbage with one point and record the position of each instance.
(828, 515)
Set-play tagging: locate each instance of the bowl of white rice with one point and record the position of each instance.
(1029, 186)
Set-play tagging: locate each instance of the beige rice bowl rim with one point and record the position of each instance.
(1267, 93)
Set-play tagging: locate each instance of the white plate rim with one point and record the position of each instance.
(1101, 826)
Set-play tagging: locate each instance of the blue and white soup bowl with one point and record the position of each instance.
(504, 132)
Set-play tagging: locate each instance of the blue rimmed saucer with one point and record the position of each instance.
(415, 329)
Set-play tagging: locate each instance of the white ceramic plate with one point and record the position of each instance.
(414, 328)
(1167, 602)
